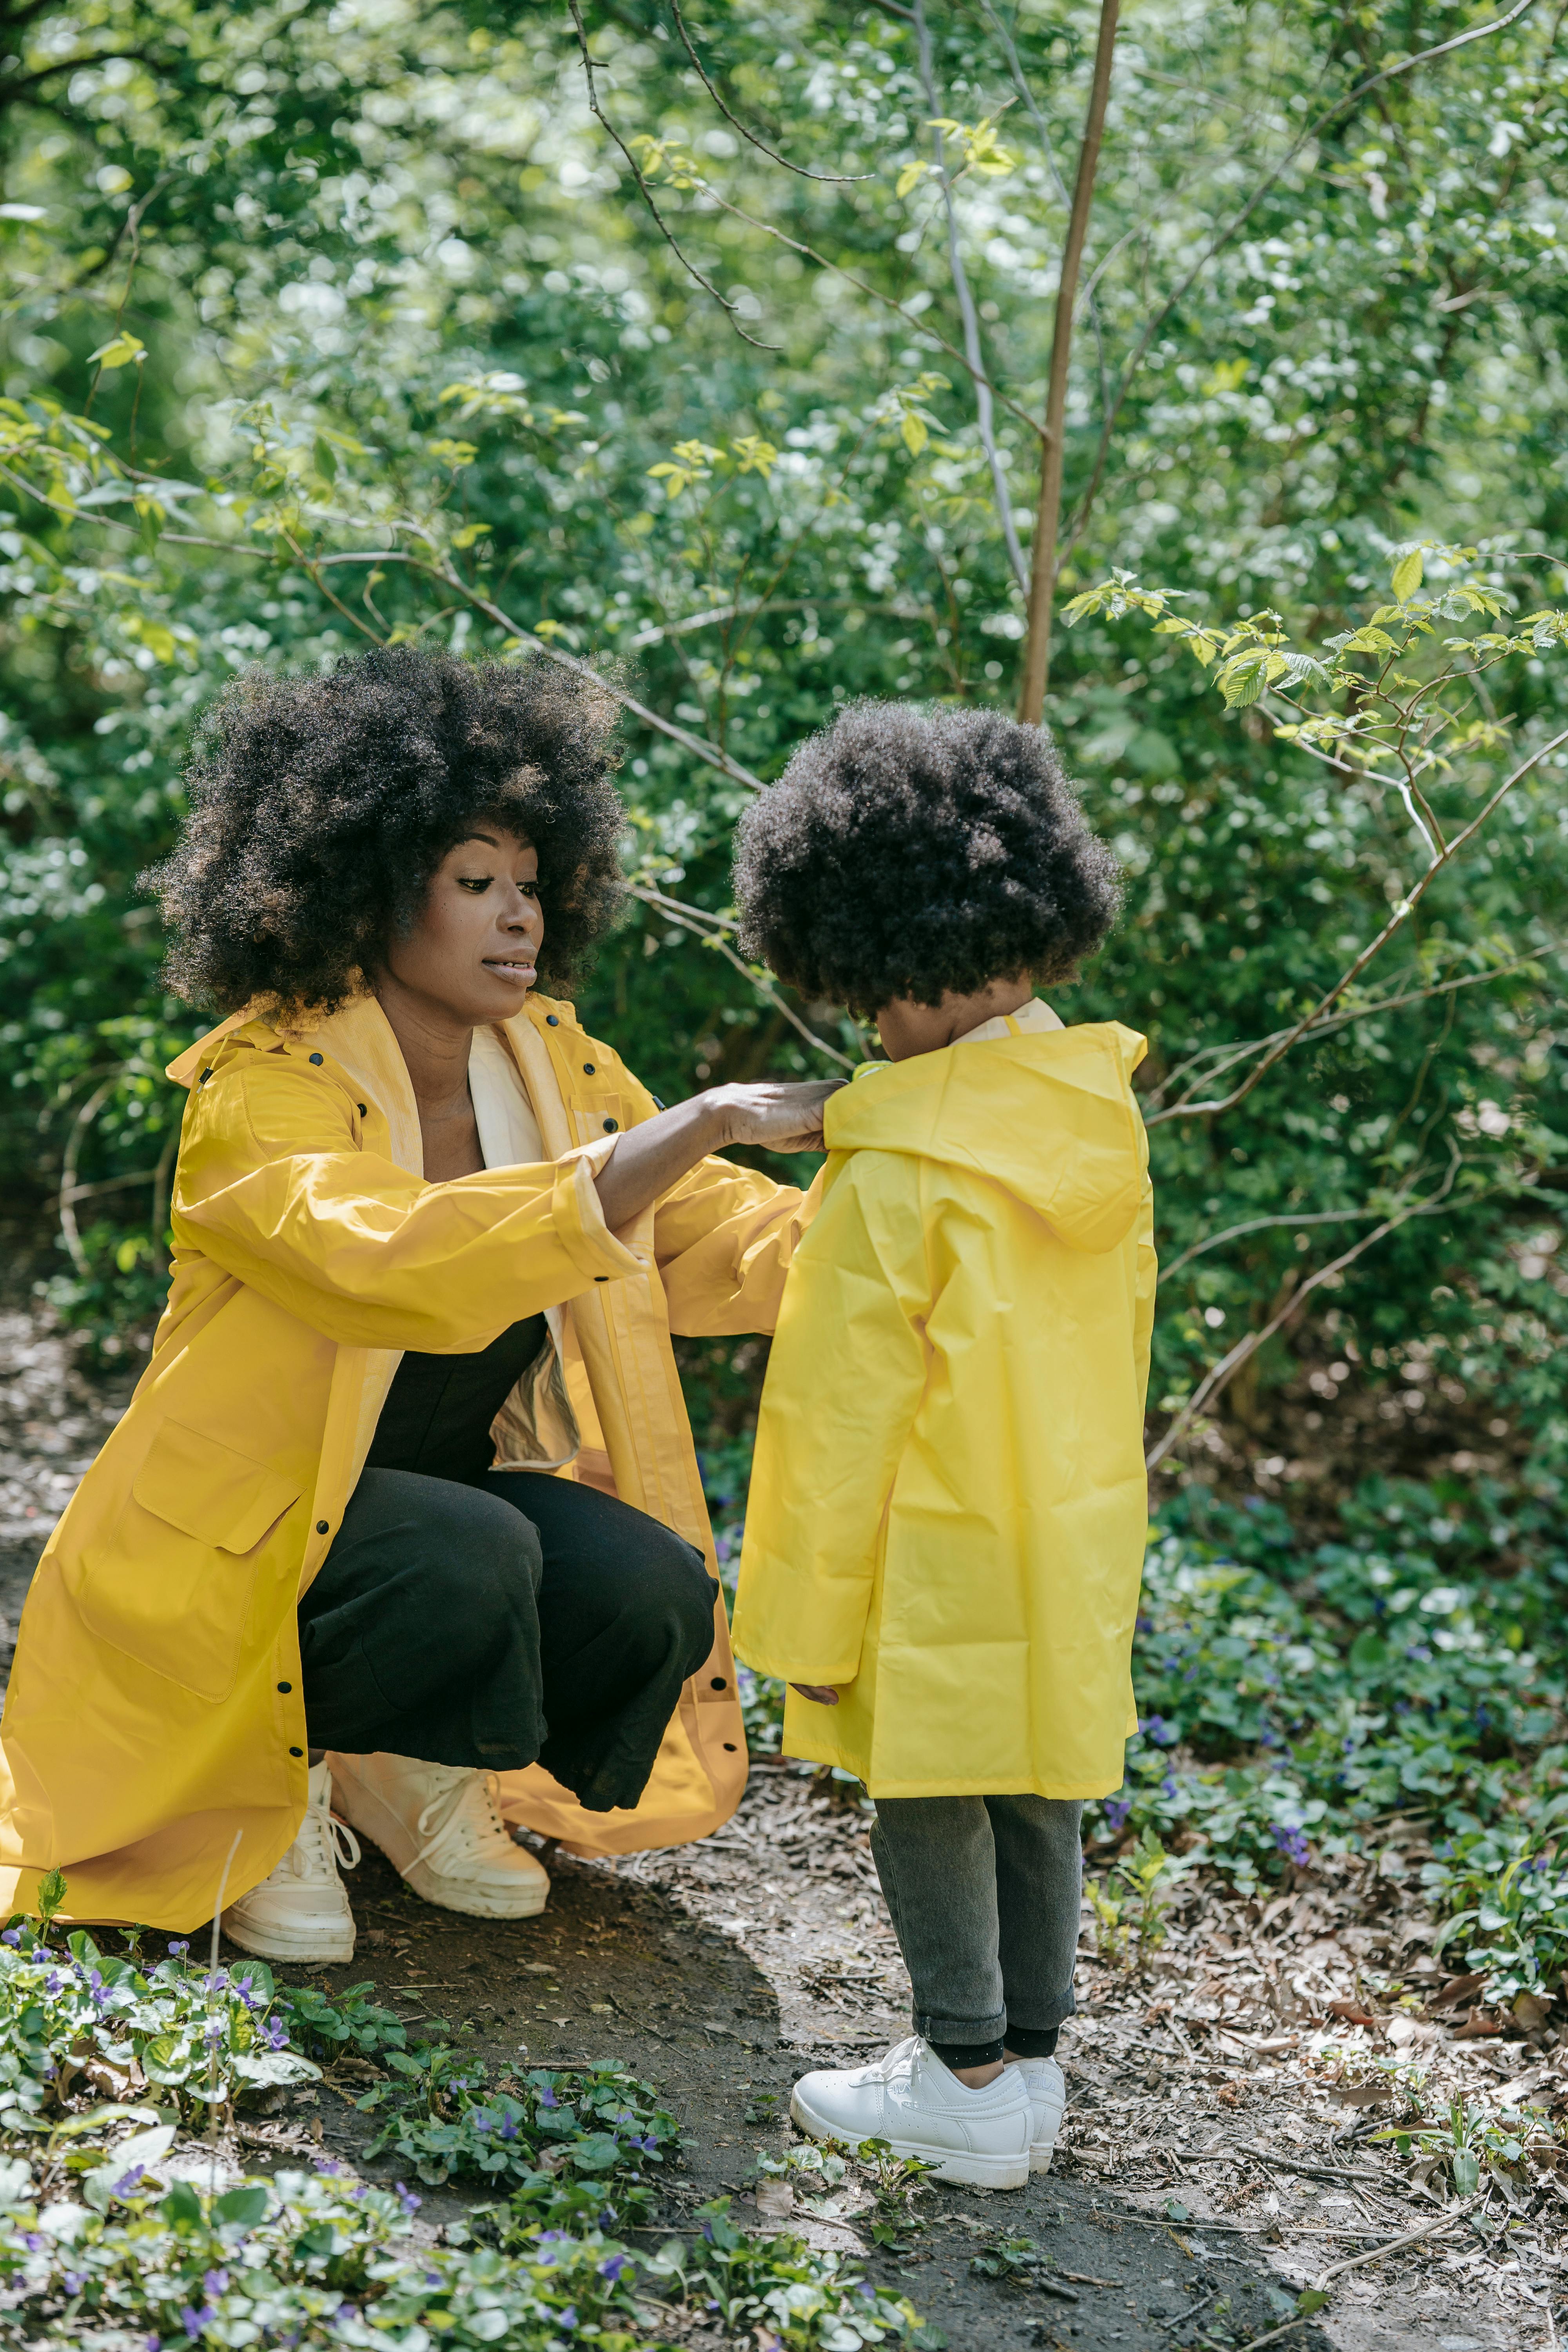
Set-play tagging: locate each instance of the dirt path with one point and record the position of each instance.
(1211, 2164)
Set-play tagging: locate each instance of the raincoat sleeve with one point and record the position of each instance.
(276, 1186)
(844, 1380)
(725, 1237)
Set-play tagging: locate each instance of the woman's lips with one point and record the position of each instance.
(511, 967)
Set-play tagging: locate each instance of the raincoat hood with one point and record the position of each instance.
(1049, 1118)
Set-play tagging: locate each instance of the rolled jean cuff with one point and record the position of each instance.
(963, 2030)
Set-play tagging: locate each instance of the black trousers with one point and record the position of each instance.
(509, 1619)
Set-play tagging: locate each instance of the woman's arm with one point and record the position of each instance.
(651, 1157)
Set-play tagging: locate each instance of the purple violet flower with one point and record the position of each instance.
(1116, 1810)
(407, 2200)
(613, 2265)
(194, 2321)
(177, 1950)
(547, 2097)
(12, 1935)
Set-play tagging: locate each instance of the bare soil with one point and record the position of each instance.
(1218, 2155)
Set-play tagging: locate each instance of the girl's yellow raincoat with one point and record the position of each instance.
(155, 1708)
(948, 1506)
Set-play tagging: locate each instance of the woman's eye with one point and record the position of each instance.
(475, 882)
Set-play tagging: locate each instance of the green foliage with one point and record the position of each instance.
(1019, 2260)
(335, 2025)
(1503, 1892)
(301, 2260)
(1472, 2140)
(289, 361)
(579, 2138)
(74, 2018)
(1129, 1902)
(776, 2288)
(1292, 1696)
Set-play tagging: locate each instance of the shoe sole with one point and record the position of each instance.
(959, 2165)
(474, 1904)
(1040, 2154)
(278, 1944)
(424, 1882)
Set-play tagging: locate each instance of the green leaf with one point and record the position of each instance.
(1369, 1652)
(244, 2206)
(1407, 574)
(1311, 2299)
(1467, 2171)
(326, 458)
(182, 2207)
(51, 1894)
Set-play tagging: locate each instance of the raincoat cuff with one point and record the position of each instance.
(579, 1218)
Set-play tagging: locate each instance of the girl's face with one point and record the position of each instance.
(473, 950)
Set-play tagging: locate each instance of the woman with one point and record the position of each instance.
(406, 1504)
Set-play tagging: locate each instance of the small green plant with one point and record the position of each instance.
(333, 2026)
(1466, 2140)
(1507, 1890)
(776, 2291)
(562, 2140)
(75, 2019)
(1129, 1907)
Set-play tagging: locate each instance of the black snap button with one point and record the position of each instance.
(729, 1748)
(587, 1070)
(321, 1526)
(552, 1021)
(205, 1076)
(601, 1278)
(285, 1688)
(720, 1684)
(362, 1109)
(295, 1751)
(317, 1059)
(611, 1125)
(657, 1104)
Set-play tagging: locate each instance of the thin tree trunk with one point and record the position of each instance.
(1043, 556)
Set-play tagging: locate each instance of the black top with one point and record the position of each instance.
(438, 1410)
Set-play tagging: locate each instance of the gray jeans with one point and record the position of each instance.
(984, 1893)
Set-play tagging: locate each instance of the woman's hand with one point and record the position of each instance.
(657, 1152)
(819, 1694)
(781, 1117)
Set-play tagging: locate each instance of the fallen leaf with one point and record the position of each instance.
(1458, 1989)
(1352, 2011)
(776, 2199)
(1476, 2023)
(1362, 2094)
(1529, 2011)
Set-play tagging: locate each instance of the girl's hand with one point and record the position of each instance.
(782, 1118)
(819, 1694)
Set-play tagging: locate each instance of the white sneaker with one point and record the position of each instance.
(438, 1825)
(300, 1912)
(1042, 2079)
(910, 2099)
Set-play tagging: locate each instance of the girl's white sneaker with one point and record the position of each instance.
(910, 2099)
(1047, 2093)
(300, 1912)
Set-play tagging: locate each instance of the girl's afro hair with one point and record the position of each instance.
(906, 851)
(320, 807)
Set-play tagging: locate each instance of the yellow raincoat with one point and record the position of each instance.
(155, 1707)
(948, 1506)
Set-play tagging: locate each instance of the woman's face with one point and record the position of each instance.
(473, 950)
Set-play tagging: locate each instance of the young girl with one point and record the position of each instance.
(948, 1508)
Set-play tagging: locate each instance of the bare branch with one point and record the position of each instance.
(1238, 220)
(834, 179)
(1347, 979)
(1224, 1057)
(678, 912)
(976, 358)
(1222, 1373)
(1261, 1224)
(1043, 553)
(632, 166)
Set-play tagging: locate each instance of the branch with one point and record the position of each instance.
(1043, 553)
(982, 410)
(1347, 979)
(694, 919)
(632, 166)
(917, 326)
(1228, 1365)
(1238, 221)
(1256, 1226)
(834, 179)
(1225, 1056)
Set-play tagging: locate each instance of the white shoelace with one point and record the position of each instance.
(323, 1843)
(464, 1837)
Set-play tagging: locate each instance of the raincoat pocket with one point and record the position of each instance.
(175, 1588)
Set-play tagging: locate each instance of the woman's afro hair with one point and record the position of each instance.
(320, 807)
(906, 852)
